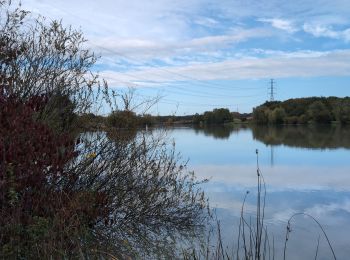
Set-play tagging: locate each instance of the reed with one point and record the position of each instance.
(253, 241)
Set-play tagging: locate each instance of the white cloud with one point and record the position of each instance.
(159, 28)
(134, 31)
(142, 48)
(206, 21)
(319, 30)
(160, 19)
(281, 24)
(298, 10)
(172, 20)
(236, 35)
(298, 64)
(295, 54)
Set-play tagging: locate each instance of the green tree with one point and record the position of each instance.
(217, 116)
(319, 113)
(277, 116)
(342, 111)
(197, 119)
(122, 119)
(260, 115)
(222, 115)
(208, 117)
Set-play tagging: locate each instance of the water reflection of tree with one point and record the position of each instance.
(219, 131)
(315, 136)
(121, 135)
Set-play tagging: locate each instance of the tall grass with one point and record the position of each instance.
(253, 241)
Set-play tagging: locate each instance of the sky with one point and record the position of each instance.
(198, 55)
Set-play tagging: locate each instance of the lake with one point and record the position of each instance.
(306, 169)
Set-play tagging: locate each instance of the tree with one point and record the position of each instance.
(197, 119)
(260, 115)
(208, 117)
(342, 111)
(217, 116)
(122, 119)
(45, 58)
(70, 196)
(277, 116)
(222, 115)
(319, 113)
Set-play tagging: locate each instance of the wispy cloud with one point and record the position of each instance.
(319, 30)
(206, 21)
(143, 49)
(136, 23)
(298, 64)
(281, 24)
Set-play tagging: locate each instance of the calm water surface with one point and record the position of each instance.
(306, 169)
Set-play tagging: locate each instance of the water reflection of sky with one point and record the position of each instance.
(314, 181)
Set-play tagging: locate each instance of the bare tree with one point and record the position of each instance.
(46, 58)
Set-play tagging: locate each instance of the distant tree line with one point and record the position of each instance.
(126, 119)
(119, 119)
(304, 110)
(293, 111)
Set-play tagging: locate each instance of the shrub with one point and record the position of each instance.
(67, 197)
(32, 168)
(122, 119)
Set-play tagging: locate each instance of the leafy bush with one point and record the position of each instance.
(217, 116)
(122, 119)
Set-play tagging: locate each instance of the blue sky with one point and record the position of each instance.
(202, 54)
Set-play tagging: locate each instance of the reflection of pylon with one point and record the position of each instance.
(272, 157)
(272, 98)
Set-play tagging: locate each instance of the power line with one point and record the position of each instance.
(205, 84)
(180, 90)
